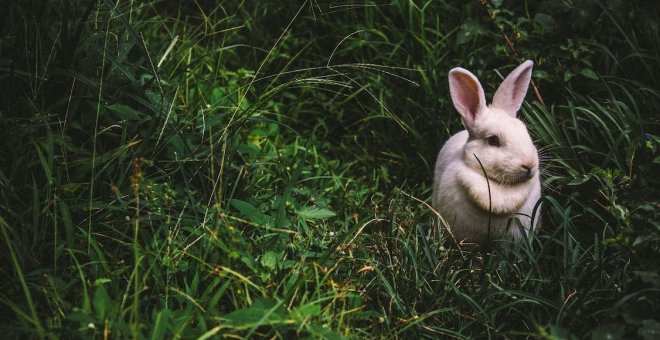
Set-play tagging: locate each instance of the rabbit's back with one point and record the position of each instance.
(451, 153)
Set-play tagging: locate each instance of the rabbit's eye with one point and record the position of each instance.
(493, 141)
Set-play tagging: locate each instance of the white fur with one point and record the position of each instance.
(460, 190)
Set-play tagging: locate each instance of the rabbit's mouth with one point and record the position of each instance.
(512, 178)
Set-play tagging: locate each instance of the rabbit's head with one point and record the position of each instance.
(497, 138)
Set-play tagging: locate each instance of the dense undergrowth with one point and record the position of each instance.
(185, 169)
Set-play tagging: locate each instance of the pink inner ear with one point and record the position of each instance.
(466, 96)
(511, 93)
(517, 92)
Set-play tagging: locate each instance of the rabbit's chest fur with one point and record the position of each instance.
(461, 196)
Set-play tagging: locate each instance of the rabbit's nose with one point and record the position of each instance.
(529, 171)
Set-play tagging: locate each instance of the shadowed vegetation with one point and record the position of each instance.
(197, 169)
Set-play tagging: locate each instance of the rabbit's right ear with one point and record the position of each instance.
(467, 95)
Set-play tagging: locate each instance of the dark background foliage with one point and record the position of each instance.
(260, 169)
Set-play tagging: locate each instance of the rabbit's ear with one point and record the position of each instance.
(467, 95)
(511, 93)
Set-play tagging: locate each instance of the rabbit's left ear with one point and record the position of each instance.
(511, 93)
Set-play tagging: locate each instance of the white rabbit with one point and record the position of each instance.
(500, 141)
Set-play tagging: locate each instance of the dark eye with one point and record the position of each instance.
(493, 141)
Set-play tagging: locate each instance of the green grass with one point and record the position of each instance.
(201, 170)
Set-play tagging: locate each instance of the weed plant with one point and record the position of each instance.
(204, 169)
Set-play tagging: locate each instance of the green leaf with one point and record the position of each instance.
(578, 180)
(306, 311)
(160, 327)
(101, 302)
(216, 96)
(589, 73)
(468, 31)
(568, 75)
(650, 329)
(314, 213)
(250, 262)
(269, 260)
(557, 332)
(320, 332)
(545, 21)
(540, 74)
(81, 317)
(608, 331)
(250, 315)
(261, 312)
(251, 212)
(101, 281)
(124, 112)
